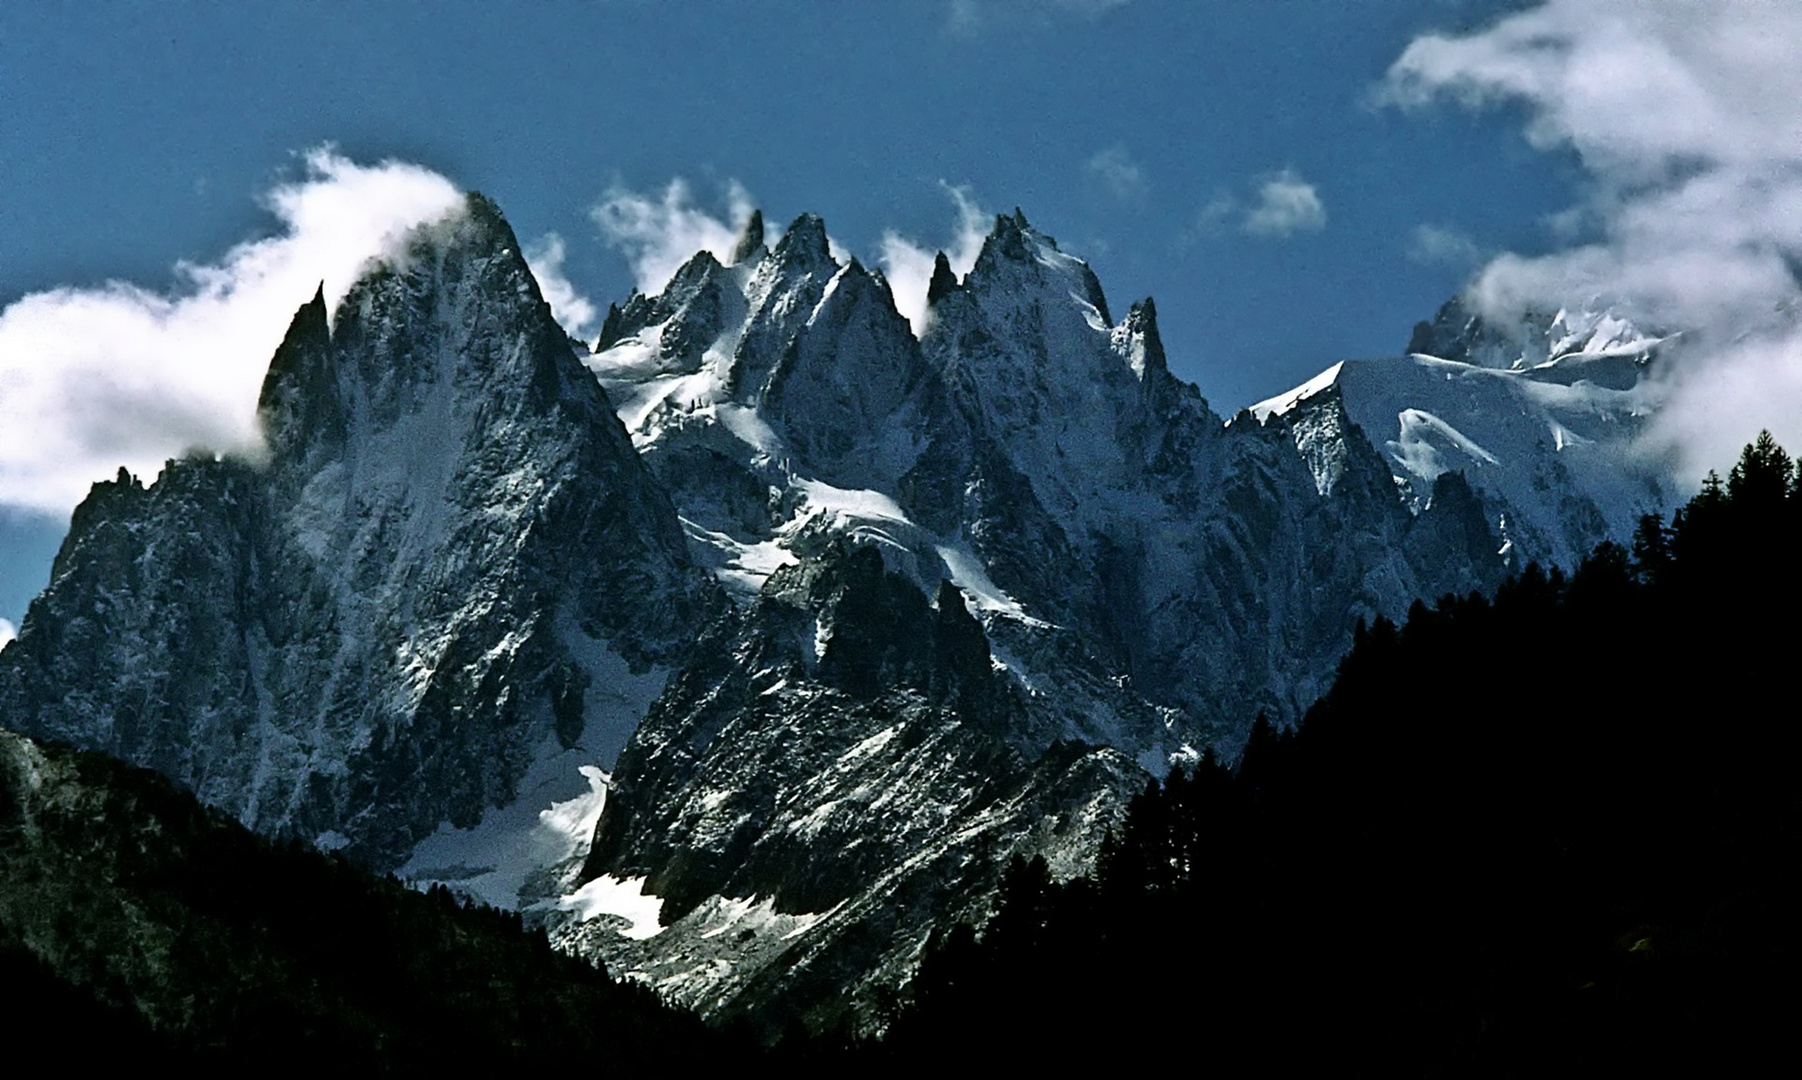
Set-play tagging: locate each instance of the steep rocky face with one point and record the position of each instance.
(451, 568)
(829, 784)
(1022, 503)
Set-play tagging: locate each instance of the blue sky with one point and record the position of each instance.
(1251, 164)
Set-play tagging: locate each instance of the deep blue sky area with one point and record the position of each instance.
(1140, 134)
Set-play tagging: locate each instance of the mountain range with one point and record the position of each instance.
(743, 648)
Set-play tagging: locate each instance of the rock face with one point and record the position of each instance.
(838, 777)
(449, 561)
(907, 606)
(963, 563)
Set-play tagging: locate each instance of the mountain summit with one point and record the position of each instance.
(449, 569)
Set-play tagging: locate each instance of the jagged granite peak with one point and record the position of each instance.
(805, 242)
(1029, 353)
(780, 294)
(676, 327)
(443, 579)
(614, 326)
(1013, 246)
(750, 240)
(298, 390)
(1144, 346)
(849, 369)
(944, 280)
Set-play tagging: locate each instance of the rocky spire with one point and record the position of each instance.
(944, 281)
(1008, 237)
(1142, 323)
(297, 391)
(806, 240)
(750, 240)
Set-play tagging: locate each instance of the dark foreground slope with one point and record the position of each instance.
(137, 925)
(1556, 829)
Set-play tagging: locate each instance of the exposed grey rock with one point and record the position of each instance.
(449, 553)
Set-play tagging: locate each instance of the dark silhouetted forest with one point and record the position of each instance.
(138, 927)
(1544, 832)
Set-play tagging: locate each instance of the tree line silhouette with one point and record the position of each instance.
(138, 927)
(1549, 830)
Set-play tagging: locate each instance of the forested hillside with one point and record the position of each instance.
(1549, 830)
(138, 926)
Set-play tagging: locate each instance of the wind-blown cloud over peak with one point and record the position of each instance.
(659, 232)
(544, 257)
(908, 265)
(95, 378)
(1688, 120)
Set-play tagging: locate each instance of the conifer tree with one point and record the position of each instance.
(1762, 476)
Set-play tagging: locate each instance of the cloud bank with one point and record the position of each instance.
(659, 232)
(7, 632)
(908, 265)
(1687, 118)
(95, 378)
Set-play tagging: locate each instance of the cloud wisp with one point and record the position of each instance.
(7, 632)
(577, 314)
(1688, 121)
(1442, 244)
(969, 18)
(95, 378)
(908, 265)
(659, 232)
(1286, 205)
(1118, 172)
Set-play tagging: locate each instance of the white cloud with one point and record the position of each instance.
(908, 265)
(658, 233)
(1287, 204)
(1117, 169)
(574, 311)
(1442, 244)
(7, 632)
(1688, 120)
(95, 378)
